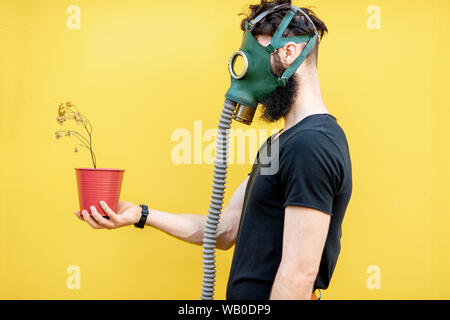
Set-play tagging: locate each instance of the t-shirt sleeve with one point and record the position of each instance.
(309, 171)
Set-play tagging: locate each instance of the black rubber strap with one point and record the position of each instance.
(264, 14)
(143, 219)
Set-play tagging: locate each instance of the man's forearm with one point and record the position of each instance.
(186, 227)
(191, 227)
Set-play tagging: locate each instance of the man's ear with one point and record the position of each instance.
(290, 52)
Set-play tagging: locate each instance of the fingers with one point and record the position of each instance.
(78, 214)
(100, 219)
(111, 214)
(87, 217)
(97, 221)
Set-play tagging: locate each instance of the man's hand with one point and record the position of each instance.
(127, 213)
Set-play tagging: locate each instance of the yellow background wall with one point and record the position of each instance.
(142, 69)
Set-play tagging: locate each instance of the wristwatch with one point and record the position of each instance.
(143, 219)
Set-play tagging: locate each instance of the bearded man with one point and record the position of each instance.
(286, 226)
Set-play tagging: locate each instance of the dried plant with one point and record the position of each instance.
(69, 111)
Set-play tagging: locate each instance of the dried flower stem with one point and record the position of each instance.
(66, 112)
(85, 123)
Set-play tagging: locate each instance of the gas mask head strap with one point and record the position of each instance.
(278, 42)
(253, 22)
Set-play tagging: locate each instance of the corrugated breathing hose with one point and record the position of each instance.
(216, 202)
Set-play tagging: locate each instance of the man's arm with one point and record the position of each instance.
(190, 227)
(187, 227)
(304, 236)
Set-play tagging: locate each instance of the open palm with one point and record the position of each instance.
(127, 213)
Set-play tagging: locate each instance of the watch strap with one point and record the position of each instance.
(143, 219)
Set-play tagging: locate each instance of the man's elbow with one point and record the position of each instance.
(226, 236)
(299, 277)
(305, 279)
(224, 244)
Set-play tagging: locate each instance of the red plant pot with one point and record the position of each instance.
(95, 185)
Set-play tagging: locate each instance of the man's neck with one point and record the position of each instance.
(307, 102)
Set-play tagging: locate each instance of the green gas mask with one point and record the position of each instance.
(256, 81)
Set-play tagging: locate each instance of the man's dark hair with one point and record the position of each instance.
(299, 25)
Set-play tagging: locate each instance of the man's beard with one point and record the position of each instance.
(280, 102)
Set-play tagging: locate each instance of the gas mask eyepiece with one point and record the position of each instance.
(232, 65)
(255, 81)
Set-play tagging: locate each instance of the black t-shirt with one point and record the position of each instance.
(309, 166)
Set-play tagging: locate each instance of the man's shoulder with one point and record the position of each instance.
(320, 131)
(325, 138)
(308, 138)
